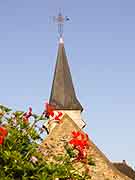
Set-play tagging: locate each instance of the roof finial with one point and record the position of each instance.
(60, 19)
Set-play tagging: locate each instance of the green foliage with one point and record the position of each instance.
(91, 161)
(19, 155)
(70, 152)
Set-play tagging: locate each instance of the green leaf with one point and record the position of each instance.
(91, 161)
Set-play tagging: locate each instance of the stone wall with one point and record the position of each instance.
(104, 170)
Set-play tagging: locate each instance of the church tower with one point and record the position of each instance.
(63, 96)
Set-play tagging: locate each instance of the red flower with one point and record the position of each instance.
(3, 134)
(80, 138)
(27, 115)
(57, 118)
(80, 143)
(1, 139)
(76, 134)
(81, 155)
(75, 142)
(3, 131)
(49, 110)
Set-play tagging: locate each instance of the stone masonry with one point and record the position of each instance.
(104, 169)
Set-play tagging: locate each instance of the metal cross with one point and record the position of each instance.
(60, 19)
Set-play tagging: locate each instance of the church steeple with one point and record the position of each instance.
(63, 95)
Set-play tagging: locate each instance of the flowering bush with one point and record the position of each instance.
(20, 136)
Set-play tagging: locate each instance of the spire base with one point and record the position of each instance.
(61, 40)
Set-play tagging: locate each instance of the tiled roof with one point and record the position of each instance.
(63, 95)
(125, 169)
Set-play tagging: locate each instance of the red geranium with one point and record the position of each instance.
(76, 134)
(57, 117)
(49, 111)
(1, 139)
(3, 134)
(27, 115)
(3, 131)
(80, 143)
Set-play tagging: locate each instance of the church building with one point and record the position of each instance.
(64, 99)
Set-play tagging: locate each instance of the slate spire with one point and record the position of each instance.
(63, 95)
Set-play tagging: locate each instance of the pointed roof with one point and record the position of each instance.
(124, 168)
(103, 168)
(63, 95)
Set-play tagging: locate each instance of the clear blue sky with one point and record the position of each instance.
(100, 45)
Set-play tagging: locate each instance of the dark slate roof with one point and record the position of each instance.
(63, 95)
(125, 169)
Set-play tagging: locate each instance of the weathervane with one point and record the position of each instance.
(60, 19)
